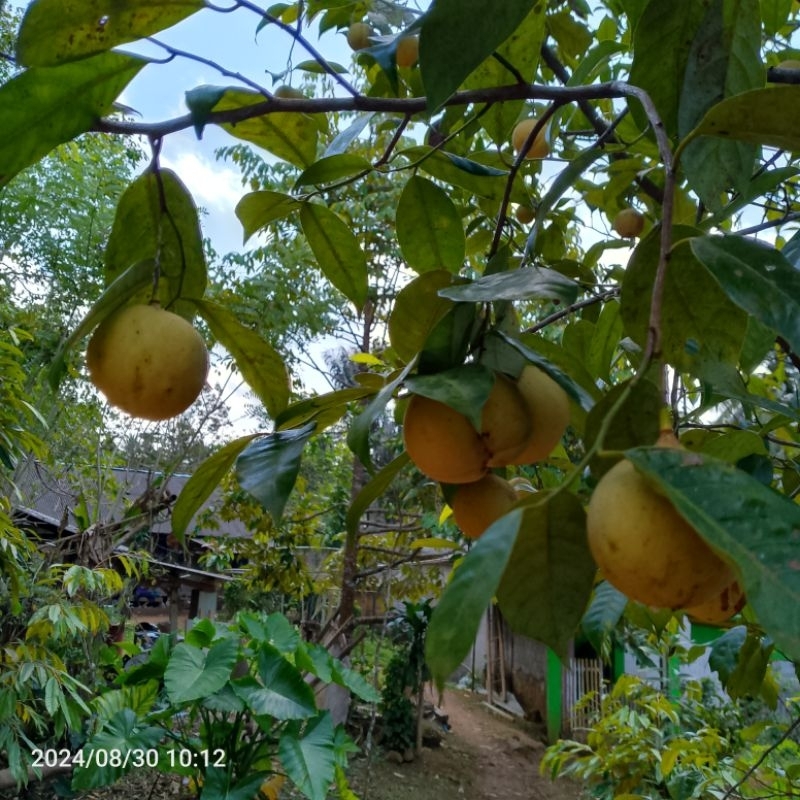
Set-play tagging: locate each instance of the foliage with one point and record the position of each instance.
(389, 193)
(237, 708)
(646, 743)
(405, 677)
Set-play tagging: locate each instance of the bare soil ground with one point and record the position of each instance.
(484, 756)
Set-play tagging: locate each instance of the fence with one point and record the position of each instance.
(583, 675)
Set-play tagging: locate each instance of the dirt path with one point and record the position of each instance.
(484, 756)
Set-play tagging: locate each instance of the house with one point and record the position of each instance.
(116, 511)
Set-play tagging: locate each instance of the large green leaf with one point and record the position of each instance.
(280, 693)
(46, 106)
(449, 341)
(636, 423)
(429, 227)
(699, 324)
(123, 733)
(417, 309)
(217, 784)
(548, 580)
(749, 523)
(157, 219)
(757, 278)
(373, 489)
(521, 49)
(724, 60)
(358, 435)
(662, 41)
(54, 31)
(604, 612)
(517, 284)
(449, 50)
(257, 209)
(457, 616)
(258, 361)
(308, 756)
(741, 659)
(268, 467)
(203, 481)
(337, 251)
(290, 136)
(131, 282)
(324, 409)
(768, 116)
(332, 168)
(193, 674)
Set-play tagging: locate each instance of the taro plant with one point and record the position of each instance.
(232, 708)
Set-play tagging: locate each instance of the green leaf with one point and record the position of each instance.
(201, 101)
(290, 136)
(308, 756)
(757, 278)
(564, 181)
(521, 49)
(547, 583)
(257, 209)
(464, 388)
(724, 60)
(123, 733)
(750, 524)
(332, 168)
(429, 227)
(268, 467)
(358, 435)
(193, 673)
(417, 309)
(448, 343)
(373, 489)
(350, 134)
(324, 409)
(46, 106)
(157, 219)
(217, 784)
(55, 31)
(741, 660)
(469, 175)
(457, 616)
(202, 483)
(129, 283)
(449, 49)
(699, 324)
(517, 284)
(768, 117)
(662, 41)
(281, 693)
(260, 364)
(337, 251)
(605, 611)
(636, 422)
(573, 389)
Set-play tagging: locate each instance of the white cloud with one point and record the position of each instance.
(213, 185)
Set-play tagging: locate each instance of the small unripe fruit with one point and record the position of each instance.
(149, 362)
(407, 52)
(644, 547)
(477, 505)
(539, 148)
(524, 214)
(628, 223)
(359, 36)
(288, 92)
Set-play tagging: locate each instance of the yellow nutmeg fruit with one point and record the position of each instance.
(644, 547)
(149, 362)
